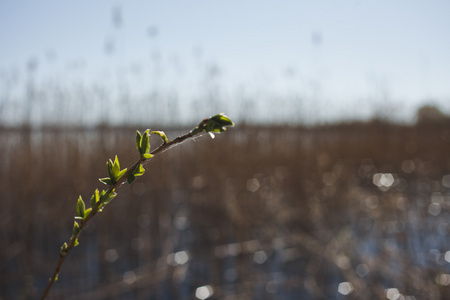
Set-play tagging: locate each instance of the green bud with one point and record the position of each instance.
(81, 207)
(76, 228)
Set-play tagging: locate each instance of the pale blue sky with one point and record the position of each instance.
(347, 58)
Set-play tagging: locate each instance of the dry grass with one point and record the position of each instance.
(261, 213)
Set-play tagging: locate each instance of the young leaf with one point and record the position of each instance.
(215, 123)
(76, 228)
(121, 173)
(76, 243)
(138, 140)
(107, 196)
(81, 207)
(147, 155)
(138, 171)
(103, 196)
(222, 119)
(162, 135)
(115, 169)
(111, 196)
(107, 200)
(141, 148)
(146, 145)
(87, 212)
(95, 198)
(63, 251)
(110, 165)
(131, 178)
(106, 181)
(145, 142)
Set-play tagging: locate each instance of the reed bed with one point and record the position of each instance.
(344, 211)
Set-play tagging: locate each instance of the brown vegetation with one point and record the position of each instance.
(257, 213)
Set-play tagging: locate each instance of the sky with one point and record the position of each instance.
(315, 60)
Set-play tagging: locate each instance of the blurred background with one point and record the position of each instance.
(334, 184)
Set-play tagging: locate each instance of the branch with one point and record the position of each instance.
(214, 124)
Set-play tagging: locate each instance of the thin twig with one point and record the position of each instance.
(215, 123)
(73, 239)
